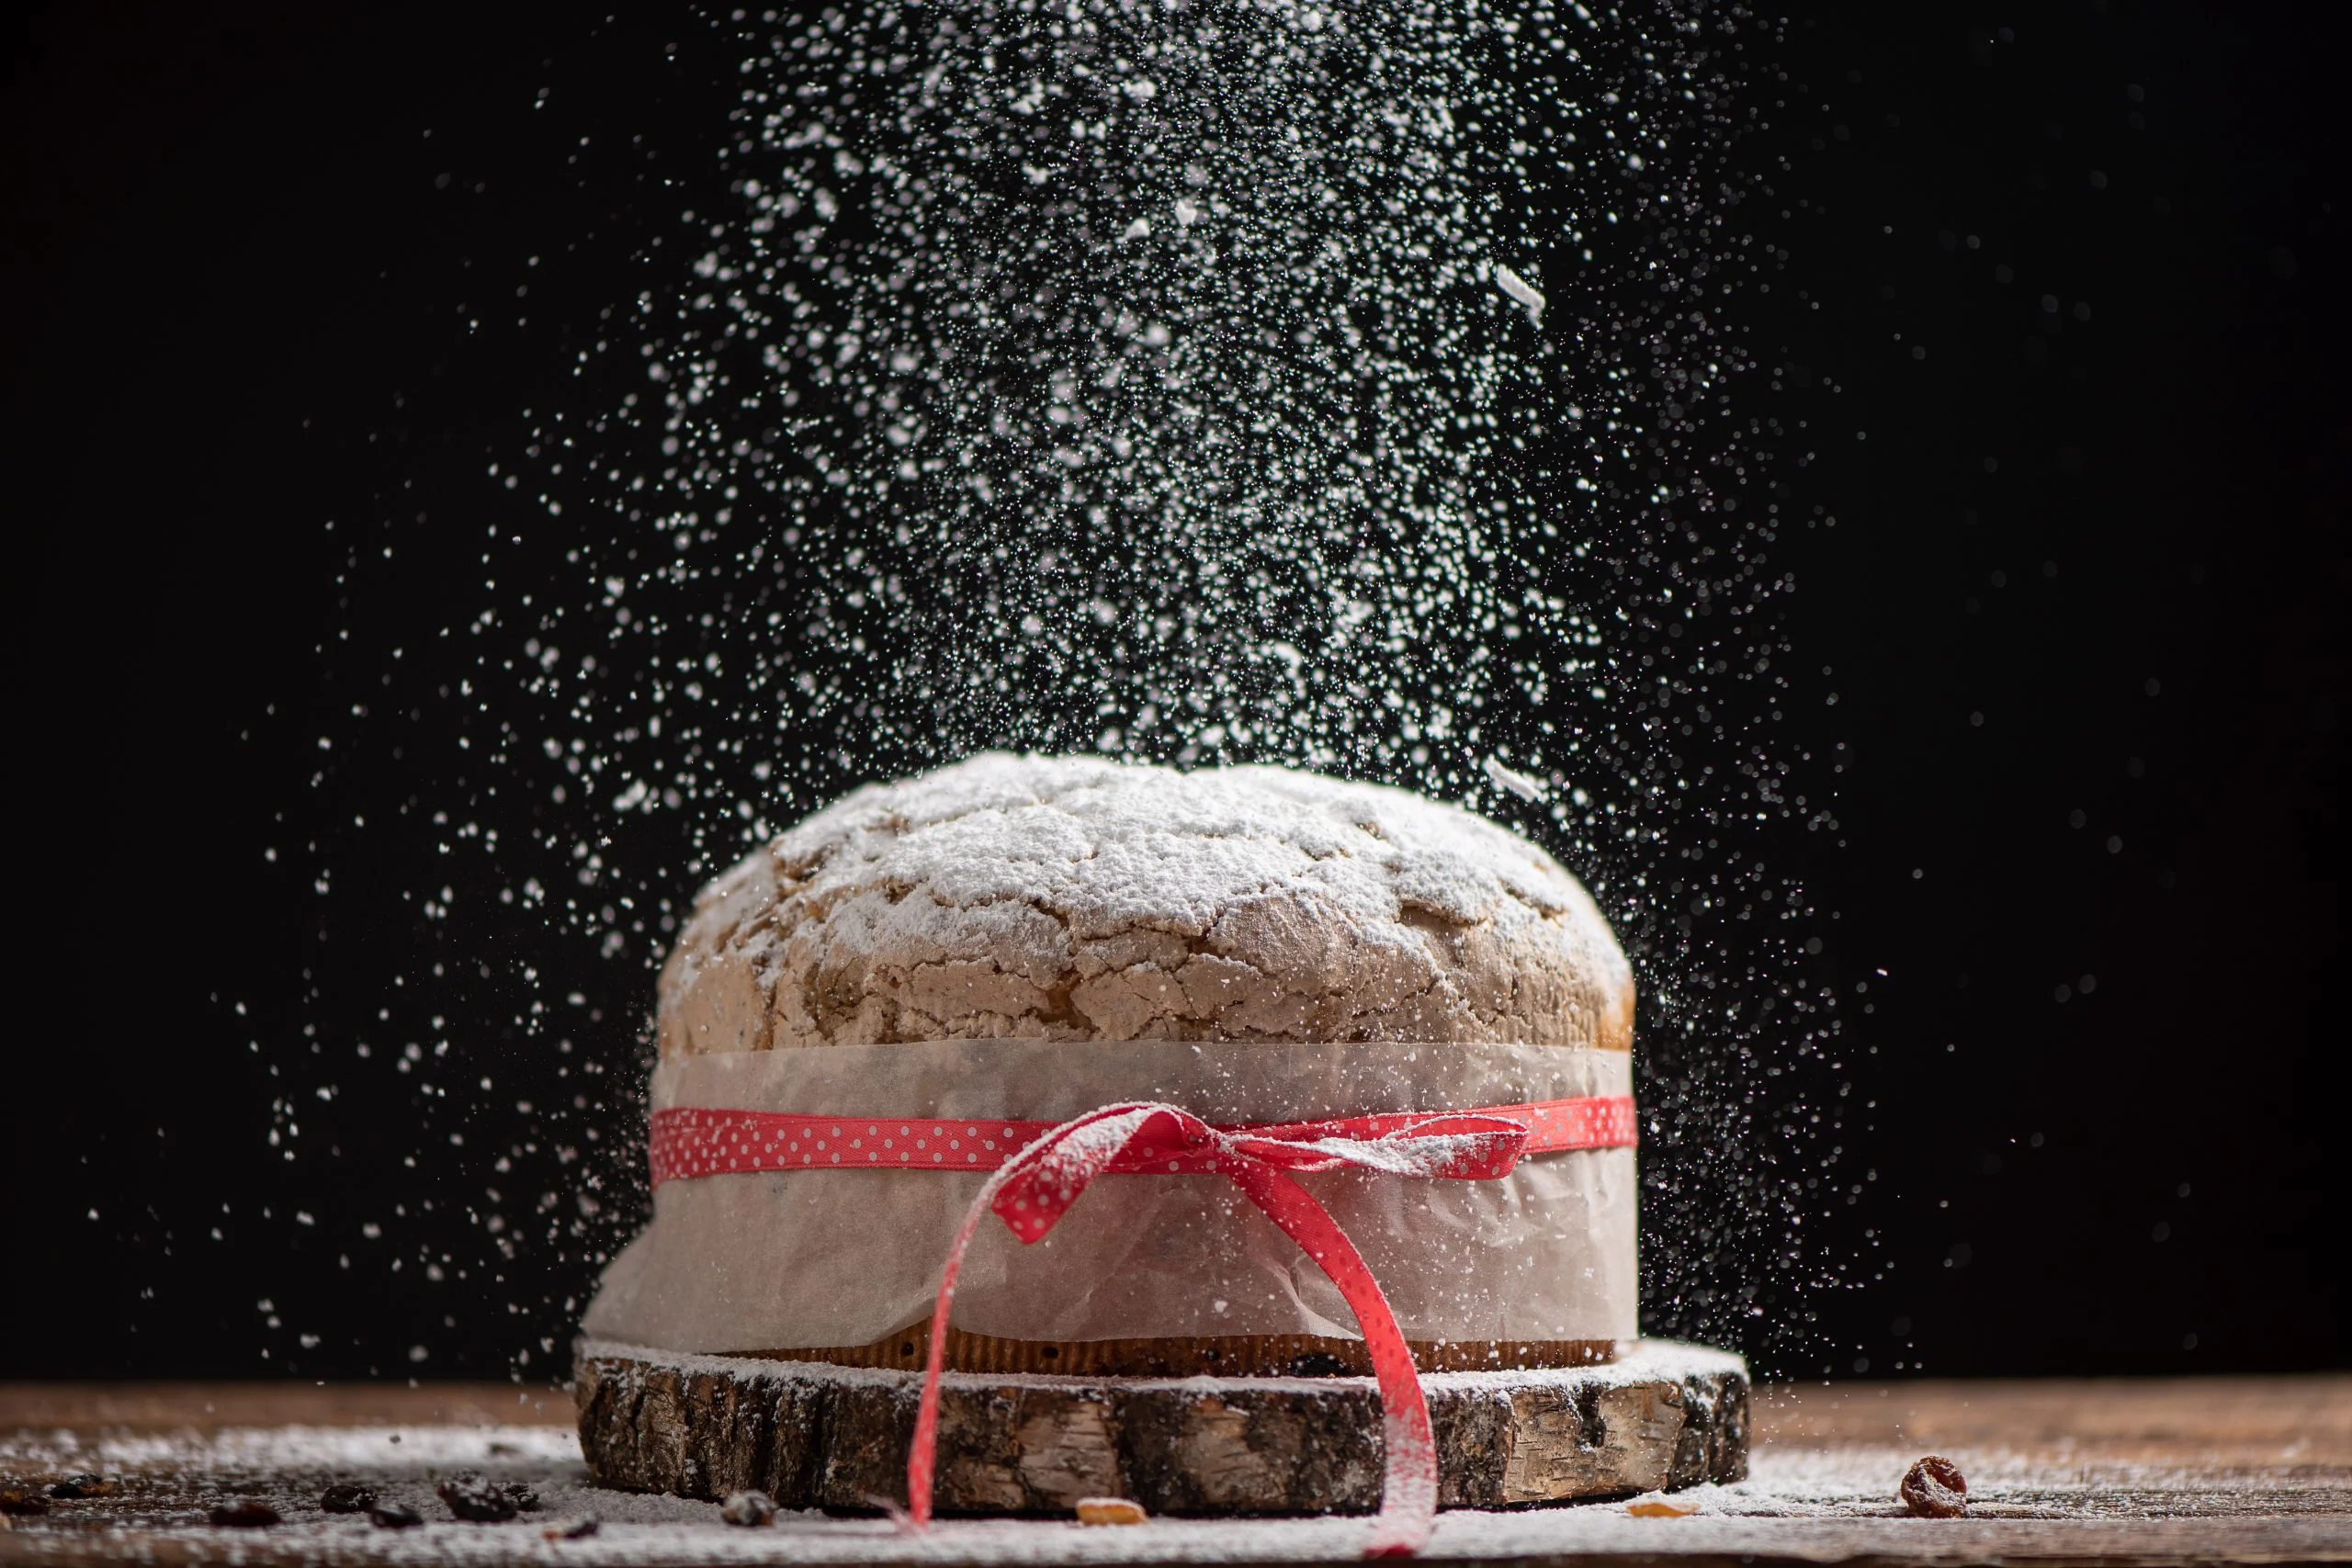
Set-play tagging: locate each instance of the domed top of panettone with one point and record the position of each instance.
(1057, 897)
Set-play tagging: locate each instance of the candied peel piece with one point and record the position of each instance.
(1659, 1509)
(1110, 1511)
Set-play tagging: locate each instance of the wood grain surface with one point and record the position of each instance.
(2172, 1472)
(1661, 1416)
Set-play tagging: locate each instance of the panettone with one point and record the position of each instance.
(1026, 935)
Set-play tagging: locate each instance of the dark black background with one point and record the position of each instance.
(2104, 512)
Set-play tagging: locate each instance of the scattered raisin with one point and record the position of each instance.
(393, 1516)
(471, 1498)
(1933, 1488)
(525, 1499)
(252, 1514)
(570, 1529)
(346, 1497)
(16, 1498)
(749, 1509)
(86, 1485)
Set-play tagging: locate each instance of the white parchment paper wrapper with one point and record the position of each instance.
(785, 1260)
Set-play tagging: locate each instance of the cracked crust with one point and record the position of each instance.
(1067, 899)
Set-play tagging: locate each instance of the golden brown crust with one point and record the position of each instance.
(1228, 1355)
(1617, 1015)
(1065, 900)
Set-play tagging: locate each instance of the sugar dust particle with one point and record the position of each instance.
(1522, 291)
(1142, 391)
(1512, 780)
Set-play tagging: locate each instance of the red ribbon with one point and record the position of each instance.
(1038, 1172)
(690, 1141)
(1033, 1190)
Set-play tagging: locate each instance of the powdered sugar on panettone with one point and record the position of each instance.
(1068, 898)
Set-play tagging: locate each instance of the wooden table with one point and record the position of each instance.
(2193, 1470)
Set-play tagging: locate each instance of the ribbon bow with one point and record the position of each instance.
(1036, 1188)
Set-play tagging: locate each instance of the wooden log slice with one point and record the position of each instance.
(816, 1435)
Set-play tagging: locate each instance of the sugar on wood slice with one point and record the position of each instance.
(813, 1434)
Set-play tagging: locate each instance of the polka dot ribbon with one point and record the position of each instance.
(1037, 1171)
(688, 1143)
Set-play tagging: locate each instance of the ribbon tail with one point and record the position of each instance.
(1408, 1484)
(1093, 1156)
(1409, 1479)
(921, 1455)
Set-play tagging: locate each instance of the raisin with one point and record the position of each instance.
(86, 1485)
(21, 1499)
(570, 1529)
(749, 1509)
(393, 1516)
(346, 1497)
(252, 1514)
(471, 1498)
(1933, 1488)
(525, 1499)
